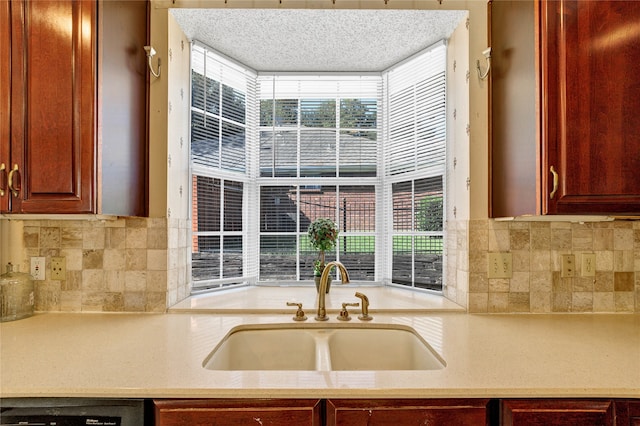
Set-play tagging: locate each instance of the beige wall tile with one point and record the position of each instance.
(31, 237)
(71, 237)
(93, 301)
(498, 285)
(623, 238)
(134, 301)
(136, 259)
(623, 281)
(72, 283)
(478, 283)
(92, 259)
(115, 238)
(93, 280)
(603, 282)
(603, 302)
(540, 236)
(478, 302)
(498, 303)
(521, 260)
(540, 260)
(114, 260)
(623, 260)
(499, 240)
(71, 301)
(113, 302)
(93, 238)
(519, 282)
(540, 301)
(114, 281)
(73, 258)
(49, 237)
(624, 301)
(157, 260)
(561, 302)
(582, 302)
(519, 239)
(541, 281)
(604, 261)
(603, 239)
(136, 237)
(519, 302)
(478, 239)
(561, 238)
(135, 281)
(156, 281)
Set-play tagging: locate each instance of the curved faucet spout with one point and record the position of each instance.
(344, 275)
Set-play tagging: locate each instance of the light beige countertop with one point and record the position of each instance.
(273, 299)
(161, 355)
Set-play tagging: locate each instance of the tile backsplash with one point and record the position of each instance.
(536, 284)
(115, 265)
(143, 264)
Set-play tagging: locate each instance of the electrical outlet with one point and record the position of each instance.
(588, 265)
(37, 268)
(499, 265)
(568, 266)
(58, 268)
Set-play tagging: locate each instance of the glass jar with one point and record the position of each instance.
(16, 294)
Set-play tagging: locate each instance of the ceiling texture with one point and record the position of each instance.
(304, 40)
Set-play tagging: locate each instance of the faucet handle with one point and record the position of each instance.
(365, 307)
(344, 314)
(300, 316)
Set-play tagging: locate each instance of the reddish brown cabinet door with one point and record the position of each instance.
(73, 106)
(396, 412)
(556, 412)
(237, 412)
(627, 413)
(590, 104)
(5, 103)
(53, 106)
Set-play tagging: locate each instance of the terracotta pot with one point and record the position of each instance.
(317, 279)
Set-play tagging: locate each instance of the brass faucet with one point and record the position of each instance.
(344, 275)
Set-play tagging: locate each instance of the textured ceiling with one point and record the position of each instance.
(317, 40)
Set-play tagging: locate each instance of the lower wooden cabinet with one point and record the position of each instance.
(392, 412)
(237, 412)
(557, 412)
(628, 413)
(397, 412)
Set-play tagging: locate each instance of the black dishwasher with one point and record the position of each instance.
(71, 412)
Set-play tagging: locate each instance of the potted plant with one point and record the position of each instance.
(323, 235)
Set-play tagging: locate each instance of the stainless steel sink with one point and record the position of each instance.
(323, 347)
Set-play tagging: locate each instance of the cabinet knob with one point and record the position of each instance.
(16, 186)
(555, 182)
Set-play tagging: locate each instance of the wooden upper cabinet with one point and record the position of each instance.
(53, 105)
(565, 94)
(5, 102)
(590, 105)
(53, 93)
(514, 170)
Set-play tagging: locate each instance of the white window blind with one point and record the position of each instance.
(223, 137)
(417, 113)
(319, 125)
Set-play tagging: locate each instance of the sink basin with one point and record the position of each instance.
(264, 349)
(381, 349)
(322, 347)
